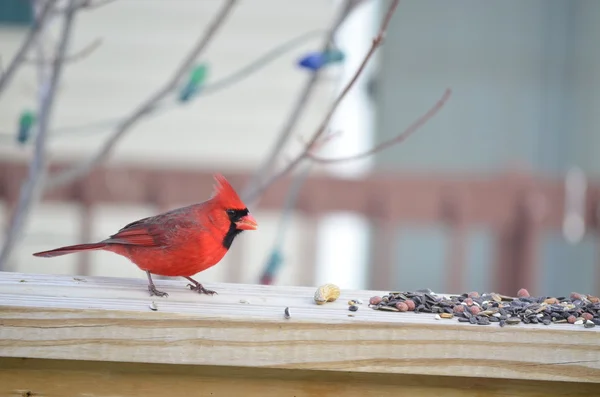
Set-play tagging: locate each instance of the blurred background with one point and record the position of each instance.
(497, 191)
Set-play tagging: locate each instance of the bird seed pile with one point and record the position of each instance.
(488, 308)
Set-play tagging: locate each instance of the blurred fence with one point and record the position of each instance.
(517, 207)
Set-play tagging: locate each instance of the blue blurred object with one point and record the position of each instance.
(312, 61)
(189, 91)
(316, 60)
(26, 122)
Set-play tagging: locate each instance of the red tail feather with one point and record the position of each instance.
(70, 250)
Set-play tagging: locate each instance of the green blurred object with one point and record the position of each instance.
(334, 56)
(199, 74)
(26, 121)
(196, 80)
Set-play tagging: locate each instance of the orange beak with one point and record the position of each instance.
(247, 223)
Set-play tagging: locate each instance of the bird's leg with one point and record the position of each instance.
(152, 287)
(199, 288)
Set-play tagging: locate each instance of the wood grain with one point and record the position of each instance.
(57, 378)
(108, 319)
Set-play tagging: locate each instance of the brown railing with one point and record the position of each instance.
(517, 207)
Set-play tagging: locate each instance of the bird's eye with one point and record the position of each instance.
(230, 212)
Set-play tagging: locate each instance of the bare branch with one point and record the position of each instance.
(87, 5)
(250, 191)
(32, 188)
(246, 71)
(320, 143)
(17, 61)
(91, 5)
(397, 139)
(322, 128)
(145, 107)
(76, 56)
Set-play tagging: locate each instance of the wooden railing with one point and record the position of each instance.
(99, 336)
(518, 208)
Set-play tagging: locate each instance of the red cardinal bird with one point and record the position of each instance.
(180, 242)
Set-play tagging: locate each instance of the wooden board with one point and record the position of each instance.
(109, 320)
(56, 378)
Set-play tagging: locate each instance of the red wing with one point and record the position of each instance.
(153, 231)
(136, 236)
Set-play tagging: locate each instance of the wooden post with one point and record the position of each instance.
(503, 269)
(453, 215)
(10, 188)
(307, 275)
(84, 196)
(9, 213)
(382, 267)
(85, 233)
(308, 205)
(532, 210)
(518, 245)
(236, 260)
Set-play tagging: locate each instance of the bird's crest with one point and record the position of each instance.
(226, 194)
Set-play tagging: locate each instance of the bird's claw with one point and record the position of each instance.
(154, 291)
(201, 290)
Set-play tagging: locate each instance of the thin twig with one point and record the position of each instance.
(32, 188)
(247, 70)
(396, 139)
(250, 191)
(86, 166)
(17, 61)
(87, 5)
(322, 128)
(76, 56)
(90, 5)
